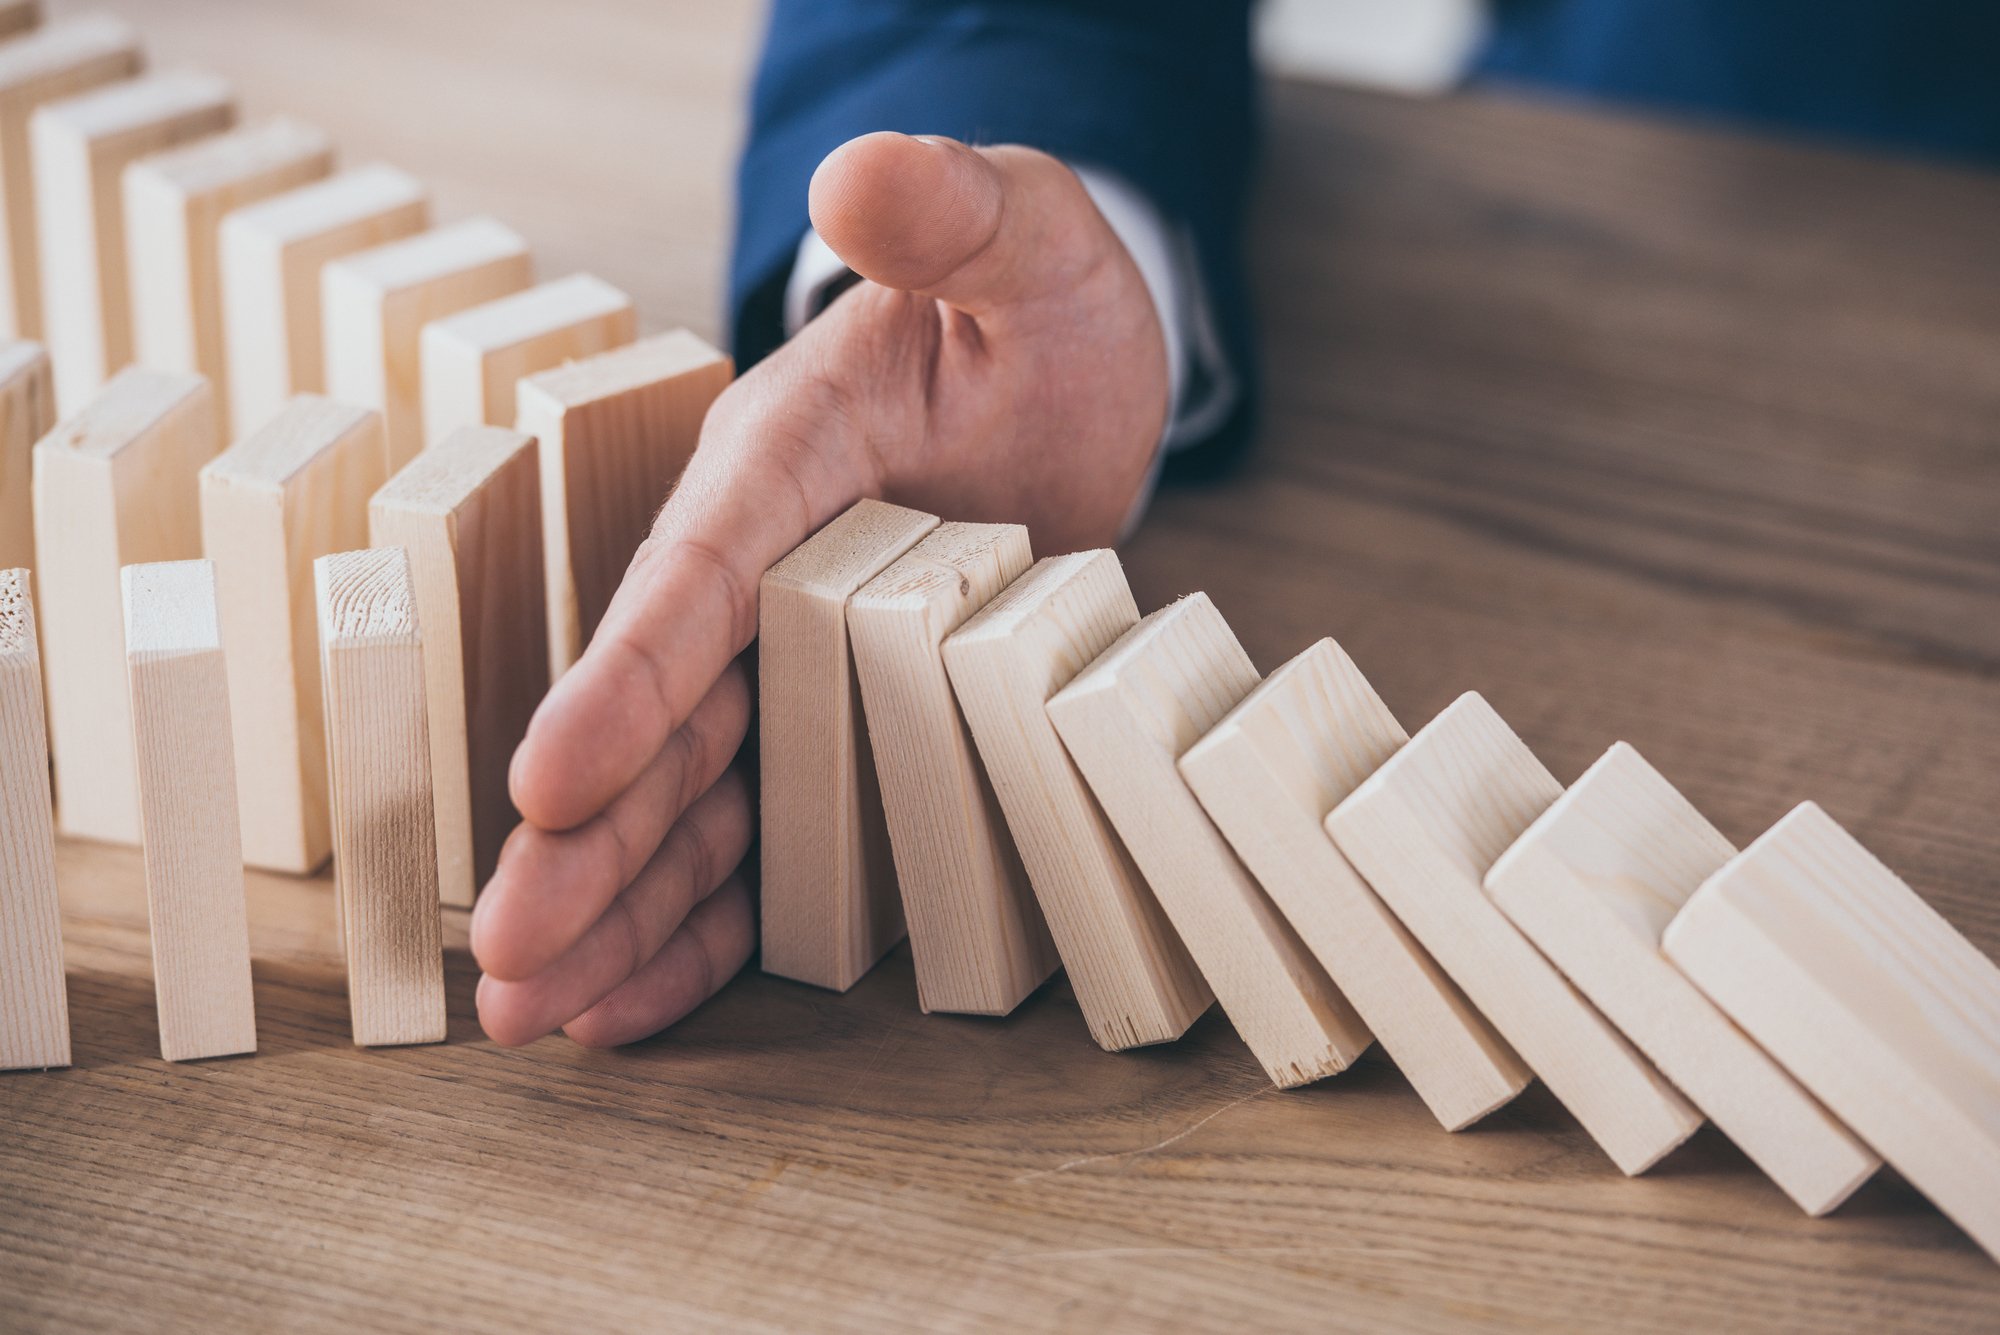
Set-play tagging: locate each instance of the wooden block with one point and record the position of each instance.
(174, 206)
(114, 486)
(1134, 980)
(384, 832)
(1127, 719)
(54, 63)
(82, 146)
(19, 16)
(34, 1004)
(828, 896)
(377, 302)
(1268, 774)
(27, 411)
(976, 935)
(187, 810)
(472, 359)
(616, 430)
(290, 492)
(1867, 996)
(468, 512)
(1424, 829)
(272, 254)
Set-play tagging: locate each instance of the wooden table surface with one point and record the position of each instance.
(1650, 433)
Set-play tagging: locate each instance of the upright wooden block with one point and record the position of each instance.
(828, 896)
(976, 935)
(1127, 719)
(187, 809)
(1134, 980)
(616, 430)
(1268, 774)
(81, 147)
(114, 486)
(174, 206)
(384, 833)
(468, 512)
(290, 492)
(1867, 996)
(377, 302)
(1424, 829)
(34, 1004)
(27, 411)
(272, 254)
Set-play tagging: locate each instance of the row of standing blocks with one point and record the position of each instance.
(1007, 758)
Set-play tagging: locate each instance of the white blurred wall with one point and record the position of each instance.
(1410, 45)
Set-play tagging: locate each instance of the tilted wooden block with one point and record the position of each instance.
(1867, 996)
(114, 486)
(1268, 774)
(384, 832)
(1594, 883)
(976, 934)
(187, 807)
(377, 302)
(81, 146)
(1127, 719)
(828, 898)
(1134, 980)
(616, 430)
(1423, 830)
(34, 1004)
(468, 512)
(27, 411)
(290, 492)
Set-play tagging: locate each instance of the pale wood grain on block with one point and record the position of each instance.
(468, 512)
(272, 255)
(1867, 996)
(377, 302)
(82, 146)
(292, 491)
(616, 430)
(1127, 719)
(1423, 830)
(1268, 774)
(115, 485)
(384, 833)
(34, 1003)
(977, 936)
(828, 897)
(27, 411)
(1134, 980)
(1594, 883)
(195, 908)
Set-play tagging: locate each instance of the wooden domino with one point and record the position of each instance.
(468, 512)
(1126, 719)
(187, 809)
(27, 411)
(1867, 996)
(1268, 774)
(34, 1004)
(828, 897)
(1134, 980)
(384, 833)
(976, 934)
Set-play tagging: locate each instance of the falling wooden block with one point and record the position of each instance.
(1127, 719)
(468, 512)
(81, 147)
(616, 430)
(1424, 829)
(174, 206)
(114, 486)
(384, 833)
(1867, 996)
(187, 810)
(272, 255)
(377, 302)
(1268, 774)
(34, 1004)
(828, 885)
(27, 411)
(1134, 980)
(976, 934)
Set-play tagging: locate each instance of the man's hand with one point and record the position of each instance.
(1003, 362)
